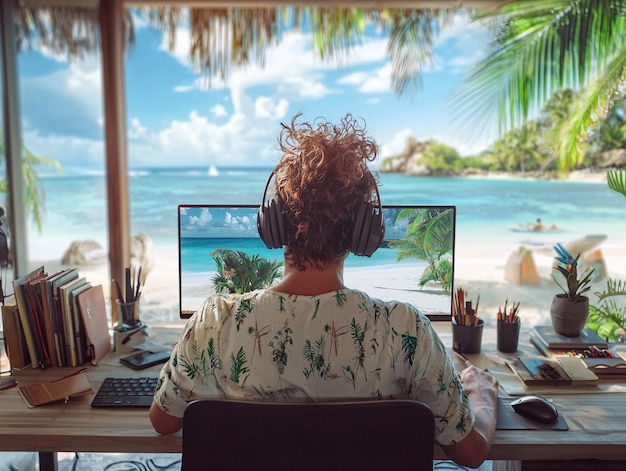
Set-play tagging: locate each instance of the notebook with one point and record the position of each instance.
(551, 339)
(94, 316)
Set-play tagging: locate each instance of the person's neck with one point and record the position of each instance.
(311, 281)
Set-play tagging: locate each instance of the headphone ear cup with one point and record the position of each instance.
(270, 224)
(376, 233)
(369, 230)
(357, 230)
(270, 221)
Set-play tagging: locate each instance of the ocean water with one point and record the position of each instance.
(487, 209)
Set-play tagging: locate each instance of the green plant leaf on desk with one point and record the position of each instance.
(608, 318)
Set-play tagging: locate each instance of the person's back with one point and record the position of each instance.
(309, 337)
(334, 346)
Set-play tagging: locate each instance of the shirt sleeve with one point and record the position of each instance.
(437, 384)
(190, 372)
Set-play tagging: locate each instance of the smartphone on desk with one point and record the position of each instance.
(144, 359)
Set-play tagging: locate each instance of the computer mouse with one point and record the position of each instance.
(537, 408)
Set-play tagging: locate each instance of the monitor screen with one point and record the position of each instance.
(414, 263)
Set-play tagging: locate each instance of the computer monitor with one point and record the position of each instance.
(414, 263)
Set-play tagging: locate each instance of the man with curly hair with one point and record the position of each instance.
(311, 338)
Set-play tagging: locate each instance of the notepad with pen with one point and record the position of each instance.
(542, 371)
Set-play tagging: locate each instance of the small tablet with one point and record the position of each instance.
(144, 359)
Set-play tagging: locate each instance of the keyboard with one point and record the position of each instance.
(125, 392)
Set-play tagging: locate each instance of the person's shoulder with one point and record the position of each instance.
(391, 306)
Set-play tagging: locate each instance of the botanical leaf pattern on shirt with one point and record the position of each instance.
(341, 345)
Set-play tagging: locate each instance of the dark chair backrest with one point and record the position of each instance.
(224, 435)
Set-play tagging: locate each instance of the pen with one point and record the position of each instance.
(8, 384)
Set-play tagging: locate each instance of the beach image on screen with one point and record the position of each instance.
(219, 247)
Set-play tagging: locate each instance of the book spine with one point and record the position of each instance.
(34, 302)
(70, 339)
(77, 323)
(59, 335)
(26, 324)
(16, 347)
(48, 323)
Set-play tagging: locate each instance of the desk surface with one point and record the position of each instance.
(596, 423)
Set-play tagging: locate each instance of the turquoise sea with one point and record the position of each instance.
(487, 208)
(489, 212)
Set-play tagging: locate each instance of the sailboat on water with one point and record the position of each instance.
(213, 171)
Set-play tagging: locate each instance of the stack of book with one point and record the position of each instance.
(592, 349)
(46, 318)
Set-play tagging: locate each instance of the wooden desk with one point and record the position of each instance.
(596, 423)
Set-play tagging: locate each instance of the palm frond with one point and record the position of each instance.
(411, 44)
(72, 31)
(616, 180)
(592, 106)
(613, 288)
(540, 47)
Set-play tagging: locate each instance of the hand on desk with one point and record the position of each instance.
(482, 391)
(475, 380)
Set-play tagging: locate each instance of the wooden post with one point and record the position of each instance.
(16, 214)
(114, 105)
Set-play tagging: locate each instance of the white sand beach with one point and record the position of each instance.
(479, 269)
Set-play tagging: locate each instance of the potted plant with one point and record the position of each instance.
(570, 309)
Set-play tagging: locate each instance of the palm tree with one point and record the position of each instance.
(238, 272)
(429, 237)
(541, 47)
(34, 195)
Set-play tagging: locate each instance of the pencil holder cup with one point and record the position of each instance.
(467, 338)
(127, 313)
(507, 334)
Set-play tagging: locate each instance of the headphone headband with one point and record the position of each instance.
(367, 234)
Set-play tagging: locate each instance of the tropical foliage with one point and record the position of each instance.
(33, 190)
(540, 48)
(616, 180)
(223, 39)
(429, 236)
(238, 272)
(608, 317)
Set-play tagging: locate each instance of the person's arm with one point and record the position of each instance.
(482, 392)
(163, 422)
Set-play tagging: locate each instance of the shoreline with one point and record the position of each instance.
(583, 175)
(479, 269)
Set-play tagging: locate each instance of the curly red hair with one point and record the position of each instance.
(322, 179)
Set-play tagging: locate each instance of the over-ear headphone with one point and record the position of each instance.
(367, 234)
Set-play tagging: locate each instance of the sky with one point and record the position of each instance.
(174, 119)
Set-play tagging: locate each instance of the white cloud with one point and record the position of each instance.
(185, 88)
(375, 81)
(72, 151)
(201, 220)
(219, 111)
(467, 39)
(136, 130)
(396, 144)
(266, 107)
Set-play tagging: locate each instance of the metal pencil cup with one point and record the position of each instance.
(467, 338)
(508, 336)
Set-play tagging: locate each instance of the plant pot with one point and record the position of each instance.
(569, 317)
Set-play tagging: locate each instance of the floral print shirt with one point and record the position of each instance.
(343, 345)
